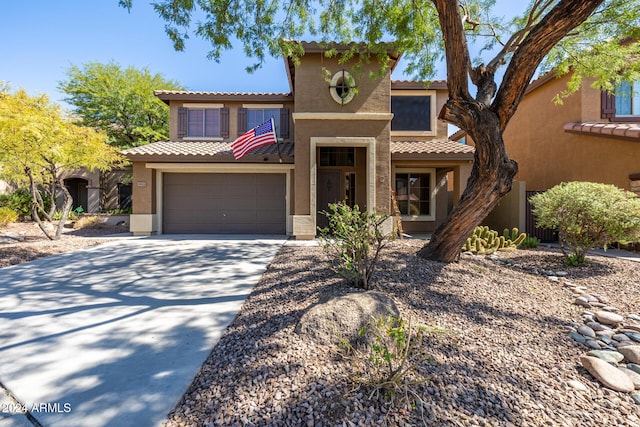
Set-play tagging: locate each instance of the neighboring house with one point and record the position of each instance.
(351, 138)
(93, 191)
(593, 136)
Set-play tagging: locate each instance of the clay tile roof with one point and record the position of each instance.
(433, 149)
(207, 93)
(628, 131)
(432, 146)
(204, 151)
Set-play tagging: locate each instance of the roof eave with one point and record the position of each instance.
(223, 97)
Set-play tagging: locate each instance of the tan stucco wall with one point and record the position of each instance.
(144, 187)
(547, 155)
(311, 94)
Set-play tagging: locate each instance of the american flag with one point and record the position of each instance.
(260, 135)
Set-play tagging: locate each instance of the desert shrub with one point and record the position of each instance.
(72, 216)
(386, 367)
(530, 242)
(19, 201)
(588, 215)
(353, 241)
(7, 215)
(89, 222)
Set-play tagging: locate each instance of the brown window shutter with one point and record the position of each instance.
(608, 105)
(224, 123)
(242, 121)
(284, 123)
(182, 122)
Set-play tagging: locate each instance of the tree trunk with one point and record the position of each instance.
(491, 178)
(66, 208)
(35, 206)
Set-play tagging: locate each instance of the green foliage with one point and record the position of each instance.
(37, 143)
(18, 201)
(353, 241)
(71, 216)
(387, 366)
(484, 241)
(7, 215)
(264, 28)
(120, 102)
(600, 49)
(530, 242)
(588, 215)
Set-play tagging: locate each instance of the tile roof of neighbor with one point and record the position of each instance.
(203, 151)
(629, 131)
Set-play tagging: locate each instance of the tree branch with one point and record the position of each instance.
(563, 18)
(456, 49)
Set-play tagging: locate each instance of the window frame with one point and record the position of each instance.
(264, 107)
(432, 116)
(432, 193)
(282, 129)
(608, 107)
(204, 106)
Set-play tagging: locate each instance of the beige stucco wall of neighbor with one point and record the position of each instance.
(510, 211)
(319, 120)
(547, 155)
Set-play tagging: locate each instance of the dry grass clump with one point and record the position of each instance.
(90, 222)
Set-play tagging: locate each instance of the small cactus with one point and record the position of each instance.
(484, 241)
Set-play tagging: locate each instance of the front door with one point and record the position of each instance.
(329, 191)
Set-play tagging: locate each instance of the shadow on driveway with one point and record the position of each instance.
(114, 334)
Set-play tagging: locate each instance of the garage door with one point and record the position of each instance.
(224, 203)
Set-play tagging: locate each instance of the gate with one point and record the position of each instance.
(544, 234)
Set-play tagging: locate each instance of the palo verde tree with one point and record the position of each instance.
(37, 143)
(584, 37)
(119, 101)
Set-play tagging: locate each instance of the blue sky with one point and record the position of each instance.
(41, 39)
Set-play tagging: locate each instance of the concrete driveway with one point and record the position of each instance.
(114, 334)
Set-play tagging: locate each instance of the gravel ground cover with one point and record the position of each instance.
(507, 357)
(24, 241)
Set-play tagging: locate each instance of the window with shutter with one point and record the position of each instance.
(624, 105)
(203, 121)
(253, 115)
(284, 123)
(182, 122)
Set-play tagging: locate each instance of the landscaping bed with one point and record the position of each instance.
(24, 241)
(505, 355)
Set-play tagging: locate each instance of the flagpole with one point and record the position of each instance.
(273, 126)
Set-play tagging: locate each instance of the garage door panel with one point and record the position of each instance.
(237, 204)
(224, 203)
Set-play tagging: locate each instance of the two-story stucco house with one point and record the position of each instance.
(343, 137)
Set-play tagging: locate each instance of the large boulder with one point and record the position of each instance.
(343, 317)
